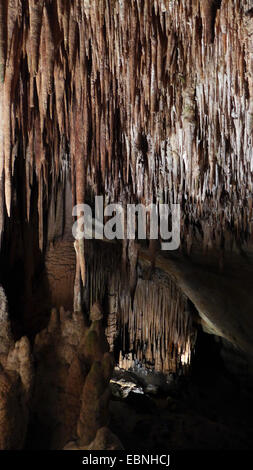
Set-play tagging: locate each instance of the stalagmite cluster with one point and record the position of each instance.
(59, 392)
(71, 395)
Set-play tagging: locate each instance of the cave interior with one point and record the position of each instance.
(119, 344)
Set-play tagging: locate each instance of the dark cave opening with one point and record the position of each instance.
(211, 408)
(22, 266)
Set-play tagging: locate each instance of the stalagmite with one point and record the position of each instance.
(1, 162)
(78, 369)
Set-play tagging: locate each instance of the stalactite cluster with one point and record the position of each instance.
(155, 326)
(143, 100)
(158, 330)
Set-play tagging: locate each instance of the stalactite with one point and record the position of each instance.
(209, 10)
(1, 209)
(1, 161)
(3, 38)
(35, 13)
(59, 95)
(155, 325)
(77, 286)
(158, 320)
(50, 48)
(104, 73)
(7, 137)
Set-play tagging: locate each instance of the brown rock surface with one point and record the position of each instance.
(71, 388)
(16, 381)
(104, 440)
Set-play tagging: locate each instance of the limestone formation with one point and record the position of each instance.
(96, 312)
(16, 382)
(72, 377)
(59, 378)
(6, 340)
(104, 440)
(156, 327)
(142, 100)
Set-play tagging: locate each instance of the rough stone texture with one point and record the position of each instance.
(16, 381)
(59, 379)
(222, 297)
(71, 388)
(60, 273)
(104, 440)
(6, 340)
(95, 399)
(96, 312)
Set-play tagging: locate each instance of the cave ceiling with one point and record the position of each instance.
(142, 101)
